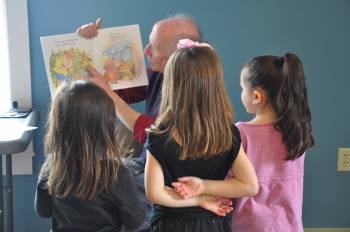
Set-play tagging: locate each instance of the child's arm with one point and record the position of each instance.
(42, 202)
(160, 194)
(244, 183)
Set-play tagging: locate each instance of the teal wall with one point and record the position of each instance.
(318, 31)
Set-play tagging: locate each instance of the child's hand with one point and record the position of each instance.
(219, 206)
(188, 186)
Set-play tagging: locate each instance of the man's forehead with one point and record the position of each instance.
(156, 31)
(160, 33)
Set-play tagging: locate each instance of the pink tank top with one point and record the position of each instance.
(278, 205)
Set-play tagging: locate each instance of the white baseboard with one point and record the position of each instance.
(326, 229)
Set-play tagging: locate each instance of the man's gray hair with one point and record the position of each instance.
(187, 17)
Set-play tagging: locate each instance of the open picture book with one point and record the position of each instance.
(115, 52)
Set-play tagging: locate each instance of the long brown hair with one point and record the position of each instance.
(284, 81)
(82, 155)
(195, 107)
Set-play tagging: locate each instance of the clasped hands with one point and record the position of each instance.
(190, 186)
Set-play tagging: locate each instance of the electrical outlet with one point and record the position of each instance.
(344, 159)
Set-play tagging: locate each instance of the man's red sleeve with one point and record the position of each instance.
(132, 95)
(142, 122)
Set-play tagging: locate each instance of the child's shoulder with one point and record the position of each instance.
(251, 124)
(246, 128)
(157, 137)
(241, 124)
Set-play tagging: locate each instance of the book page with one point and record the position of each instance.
(65, 57)
(118, 52)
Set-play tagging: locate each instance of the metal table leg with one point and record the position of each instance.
(9, 193)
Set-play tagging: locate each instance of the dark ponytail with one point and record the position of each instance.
(283, 80)
(293, 111)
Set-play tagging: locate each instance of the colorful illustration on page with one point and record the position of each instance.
(118, 62)
(69, 65)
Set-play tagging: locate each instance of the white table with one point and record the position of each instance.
(15, 135)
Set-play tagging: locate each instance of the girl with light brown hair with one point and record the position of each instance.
(194, 135)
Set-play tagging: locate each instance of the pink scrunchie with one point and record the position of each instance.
(187, 43)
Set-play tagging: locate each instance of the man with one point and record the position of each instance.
(162, 43)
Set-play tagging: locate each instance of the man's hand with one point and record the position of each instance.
(188, 186)
(90, 30)
(125, 113)
(99, 79)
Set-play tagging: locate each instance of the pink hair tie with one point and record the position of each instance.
(187, 43)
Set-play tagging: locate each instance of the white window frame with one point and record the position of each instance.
(19, 73)
(4, 60)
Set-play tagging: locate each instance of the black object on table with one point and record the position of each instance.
(15, 135)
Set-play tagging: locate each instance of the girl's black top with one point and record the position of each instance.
(108, 212)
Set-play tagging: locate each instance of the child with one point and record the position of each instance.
(194, 135)
(83, 185)
(274, 89)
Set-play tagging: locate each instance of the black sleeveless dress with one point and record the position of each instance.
(190, 219)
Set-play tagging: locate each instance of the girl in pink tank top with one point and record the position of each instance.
(274, 89)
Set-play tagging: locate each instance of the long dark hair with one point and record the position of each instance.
(284, 81)
(195, 105)
(82, 154)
